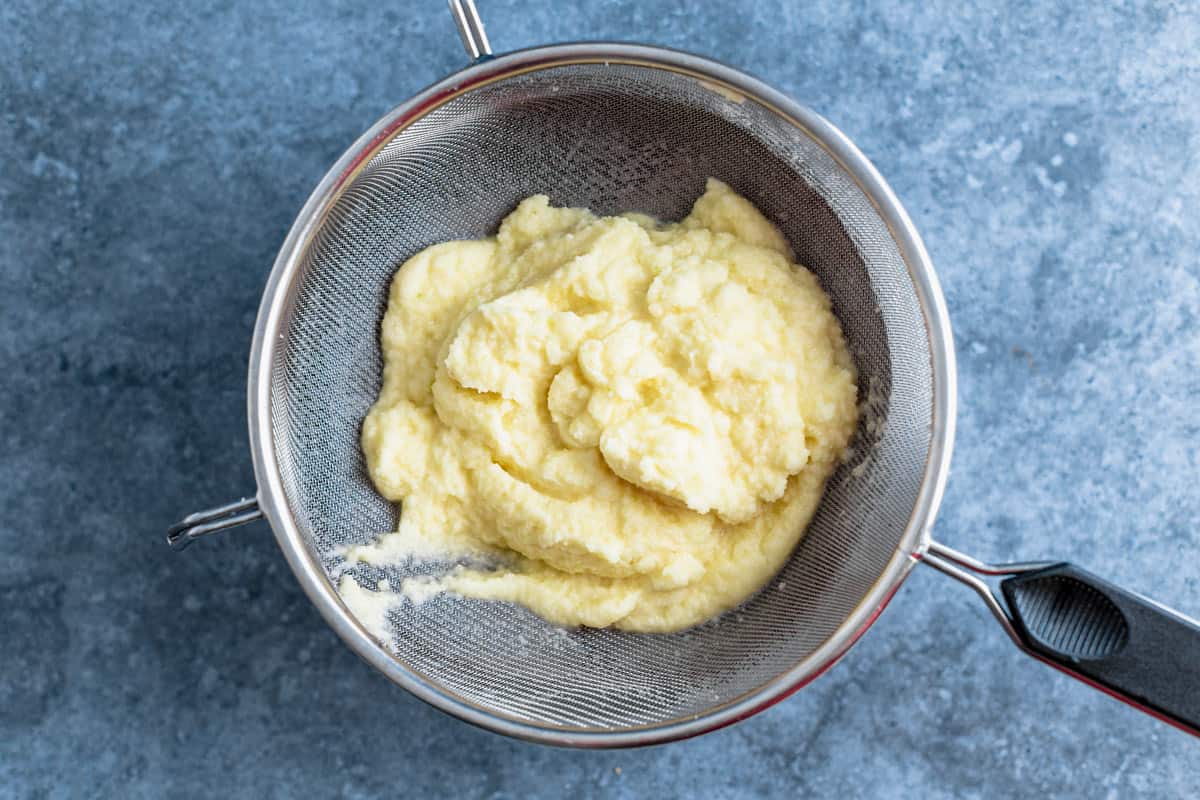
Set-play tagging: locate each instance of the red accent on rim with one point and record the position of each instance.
(387, 133)
(824, 667)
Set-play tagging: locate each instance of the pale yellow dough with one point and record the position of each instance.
(636, 421)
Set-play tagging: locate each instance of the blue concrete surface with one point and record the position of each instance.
(152, 156)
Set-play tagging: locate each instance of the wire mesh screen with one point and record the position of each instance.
(611, 138)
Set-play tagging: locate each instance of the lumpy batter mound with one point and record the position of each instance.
(633, 422)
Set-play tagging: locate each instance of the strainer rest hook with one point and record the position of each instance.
(240, 512)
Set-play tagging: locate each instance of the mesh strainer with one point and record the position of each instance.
(615, 127)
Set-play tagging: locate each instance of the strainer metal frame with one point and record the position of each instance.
(915, 545)
(266, 335)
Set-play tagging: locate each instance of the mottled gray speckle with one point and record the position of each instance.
(32, 675)
(153, 156)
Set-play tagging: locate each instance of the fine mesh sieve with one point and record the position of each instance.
(609, 135)
(612, 128)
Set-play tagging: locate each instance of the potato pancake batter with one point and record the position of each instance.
(635, 421)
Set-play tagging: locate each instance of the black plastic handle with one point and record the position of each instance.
(1132, 647)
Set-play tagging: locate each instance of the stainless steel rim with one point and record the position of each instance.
(281, 285)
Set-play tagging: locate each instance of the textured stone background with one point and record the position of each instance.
(152, 156)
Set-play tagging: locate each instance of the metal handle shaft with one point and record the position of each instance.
(962, 567)
(213, 520)
(470, 28)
